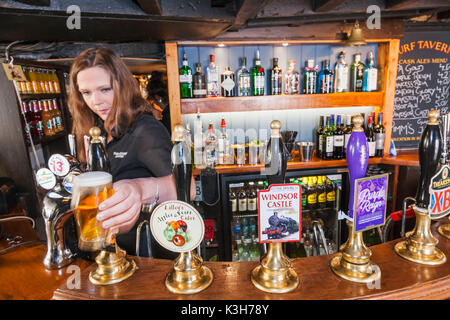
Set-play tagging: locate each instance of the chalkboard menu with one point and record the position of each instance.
(423, 82)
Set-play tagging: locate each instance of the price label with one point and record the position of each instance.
(177, 226)
(45, 178)
(59, 165)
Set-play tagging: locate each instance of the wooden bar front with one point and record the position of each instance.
(23, 276)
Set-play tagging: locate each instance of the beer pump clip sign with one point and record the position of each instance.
(177, 226)
(439, 189)
(369, 208)
(279, 211)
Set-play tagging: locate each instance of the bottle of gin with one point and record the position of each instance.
(199, 82)
(258, 77)
(212, 78)
(341, 74)
(275, 78)
(292, 79)
(243, 76)
(227, 83)
(325, 80)
(185, 79)
(310, 78)
(370, 74)
(357, 74)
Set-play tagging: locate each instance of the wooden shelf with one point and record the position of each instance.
(37, 96)
(282, 102)
(403, 159)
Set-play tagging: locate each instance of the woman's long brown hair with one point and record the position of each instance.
(127, 105)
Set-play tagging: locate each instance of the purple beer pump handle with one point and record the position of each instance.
(357, 161)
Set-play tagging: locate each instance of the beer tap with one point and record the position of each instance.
(59, 223)
(319, 235)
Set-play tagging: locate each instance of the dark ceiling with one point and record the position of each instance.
(147, 23)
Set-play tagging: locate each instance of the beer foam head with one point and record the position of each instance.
(92, 179)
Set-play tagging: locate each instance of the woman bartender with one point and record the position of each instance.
(104, 93)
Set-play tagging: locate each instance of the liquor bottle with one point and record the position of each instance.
(370, 137)
(232, 198)
(379, 136)
(357, 74)
(185, 79)
(275, 167)
(331, 192)
(370, 74)
(97, 158)
(210, 147)
(37, 122)
(32, 122)
(243, 77)
(325, 78)
(198, 142)
(258, 77)
(223, 144)
(292, 79)
(199, 82)
(227, 83)
(242, 201)
(347, 131)
(327, 145)
(47, 118)
(311, 199)
(182, 165)
(252, 205)
(341, 74)
(25, 122)
(212, 78)
(310, 78)
(319, 138)
(338, 140)
(276, 78)
(321, 193)
(57, 116)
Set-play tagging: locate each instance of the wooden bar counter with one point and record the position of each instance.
(23, 276)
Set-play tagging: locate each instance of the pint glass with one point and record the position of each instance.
(89, 190)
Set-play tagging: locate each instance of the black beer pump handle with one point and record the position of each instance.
(430, 149)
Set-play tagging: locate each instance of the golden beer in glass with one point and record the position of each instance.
(89, 190)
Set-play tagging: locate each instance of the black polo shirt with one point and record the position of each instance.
(143, 151)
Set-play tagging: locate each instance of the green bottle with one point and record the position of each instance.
(357, 74)
(258, 77)
(185, 79)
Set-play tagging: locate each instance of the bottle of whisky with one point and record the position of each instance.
(310, 78)
(292, 83)
(227, 83)
(258, 77)
(357, 74)
(243, 76)
(379, 136)
(275, 78)
(199, 82)
(341, 74)
(326, 78)
(338, 140)
(185, 79)
(212, 78)
(370, 74)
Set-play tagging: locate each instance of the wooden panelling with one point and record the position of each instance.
(173, 83)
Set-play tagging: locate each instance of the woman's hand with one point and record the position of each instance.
(122, 209)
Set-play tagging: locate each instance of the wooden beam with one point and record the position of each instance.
(400, 4)
(325, 5)
(150, 6)
(42, 3)
(173, 84)
(248, 10)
